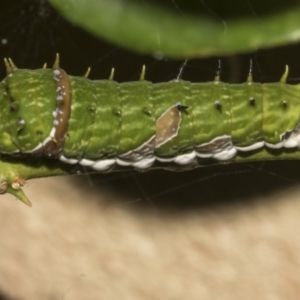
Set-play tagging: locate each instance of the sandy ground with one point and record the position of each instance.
(81, 244)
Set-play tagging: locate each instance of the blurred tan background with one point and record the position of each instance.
(77, 243)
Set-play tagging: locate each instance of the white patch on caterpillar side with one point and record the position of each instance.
(86, 162)
(225, 154)
(165, 159)
(274, 146)
(71, 161)
(144, 163)
(220, 148)
(255, 146)
(141, 156)
(291, 139)
(103, 164)
(292, 142)
(98, 165)
(123, 163)
(185, 159)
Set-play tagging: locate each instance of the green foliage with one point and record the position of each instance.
(197, 29)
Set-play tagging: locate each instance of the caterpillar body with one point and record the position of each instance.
(102, 124)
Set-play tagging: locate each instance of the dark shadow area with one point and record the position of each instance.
(4, 297)
(218, 185)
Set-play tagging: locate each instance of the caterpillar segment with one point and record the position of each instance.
(50, 121)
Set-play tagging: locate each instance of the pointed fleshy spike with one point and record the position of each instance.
(9, 64)
(15, 188)
(217, 78)
(112, 73)
(142, 77)
(87, 73)
(218, 72)
(181, 70)
(285, 75)
(45, 66)
(12, 64)
(19, 194)
(56, 62)
(250, 78)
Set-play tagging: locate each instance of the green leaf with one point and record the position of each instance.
(149, 28)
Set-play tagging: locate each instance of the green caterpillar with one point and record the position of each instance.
(103, 124)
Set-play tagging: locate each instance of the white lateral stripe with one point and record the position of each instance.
(251, 147)
(274, 146)
(70, 161)
(144, 163)
(167, 159)
(124, 163)
(185, 159)
(220, 148)
(102, 165)
(87, 162)
(226, 154)
(204, 155)
(291, 143)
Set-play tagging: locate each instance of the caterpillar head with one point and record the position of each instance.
(28, 99)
